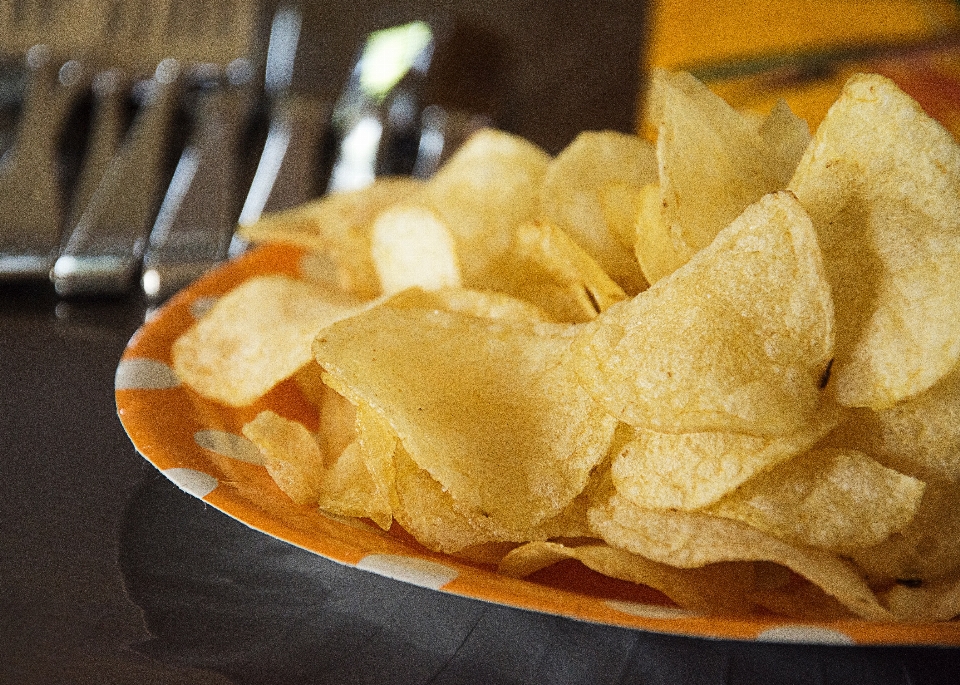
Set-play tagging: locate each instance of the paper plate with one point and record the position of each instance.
(197, 444)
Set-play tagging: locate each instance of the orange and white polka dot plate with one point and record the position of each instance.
(197, 444)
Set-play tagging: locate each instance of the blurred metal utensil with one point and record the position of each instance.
(286, 171)
(32, 201)
(42, 35)
(198, 214)
(104, 251)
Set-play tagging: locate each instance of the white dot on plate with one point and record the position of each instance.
(420, 572)
(805, 634)
(229, 445)
(144, 374)
(200, 306)
(196, 483)
(650, 610)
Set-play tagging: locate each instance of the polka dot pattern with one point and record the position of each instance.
(200, 306)
(144, 374)
(194, 482)
(804, 634)
(228, 445)
(428, 574)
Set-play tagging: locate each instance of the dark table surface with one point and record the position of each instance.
(111, 574)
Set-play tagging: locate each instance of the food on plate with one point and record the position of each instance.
(723, 366)
(256, 336)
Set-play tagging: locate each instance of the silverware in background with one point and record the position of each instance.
(195, 42)
(156, 196)
(40, 36)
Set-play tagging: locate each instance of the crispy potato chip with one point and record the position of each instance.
(716, 588)
(692, 540)
(934, 602)
(291, 455)
(926, 550)
(337, 229)
(693, 470)
(783, 592)
(426, 511)
(620, 204)
(921, 435)
(484, 304)
(378, 445)
(881, 181)
(309, 379)
(785, 137)
(255, 336)
(658, 251)
(349, 489)
(571, 197)
(557, 275)
(312, 471)
(838, 500)
(487, 188)
(736, 340)
(713, 160)
(489, 409)
(337, 423)
(411, 247)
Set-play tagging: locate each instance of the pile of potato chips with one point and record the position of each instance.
(723, 366)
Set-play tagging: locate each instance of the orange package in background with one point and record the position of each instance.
(754, 52)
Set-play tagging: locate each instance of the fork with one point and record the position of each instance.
(104, 250)
(31, 194)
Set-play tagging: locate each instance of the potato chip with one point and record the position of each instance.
(716, 588)
(489, 409)
(920, 436)
(658, 251)
(411, 247)
(315, 471)
(783, 592)
(838, 500)
(572, 190)
(785, 137)
(934, 602)
(484, 304)
(487, 188)
(926, 550)
(427, 512)
(349, 489)
(713, 160)
(692, 540)
(620, 204)
(255, 336)
(336, 228)
(337, 425)
(291, 455)
(693, 470)
(309, 379)
(378, 445)
(737, 340)
(881, 181)
(556, 274)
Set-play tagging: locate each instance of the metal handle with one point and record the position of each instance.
(198, 214)
(32, 203)
(106, 132)
(286, 173)
(102, 254)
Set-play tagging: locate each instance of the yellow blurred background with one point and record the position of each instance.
(753, 52)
